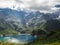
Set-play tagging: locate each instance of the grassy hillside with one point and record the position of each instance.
(48, 40)
(6, 29)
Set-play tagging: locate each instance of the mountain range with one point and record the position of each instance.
(26, 20)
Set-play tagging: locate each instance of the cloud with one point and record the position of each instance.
(6, 3)
(42, 5)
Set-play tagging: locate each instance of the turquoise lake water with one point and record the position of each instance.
(18, 38)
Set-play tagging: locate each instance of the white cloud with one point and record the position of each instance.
(43, 5)
(6, 3)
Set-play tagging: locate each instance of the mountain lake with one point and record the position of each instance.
(18, 39)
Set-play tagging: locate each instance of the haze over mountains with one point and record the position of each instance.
(25, 20)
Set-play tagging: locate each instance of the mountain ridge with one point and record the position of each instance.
(21, 20)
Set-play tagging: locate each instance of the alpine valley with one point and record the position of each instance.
(25, 21)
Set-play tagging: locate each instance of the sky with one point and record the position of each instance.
(42, 5)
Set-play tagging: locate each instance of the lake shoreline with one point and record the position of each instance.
(18, 38)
